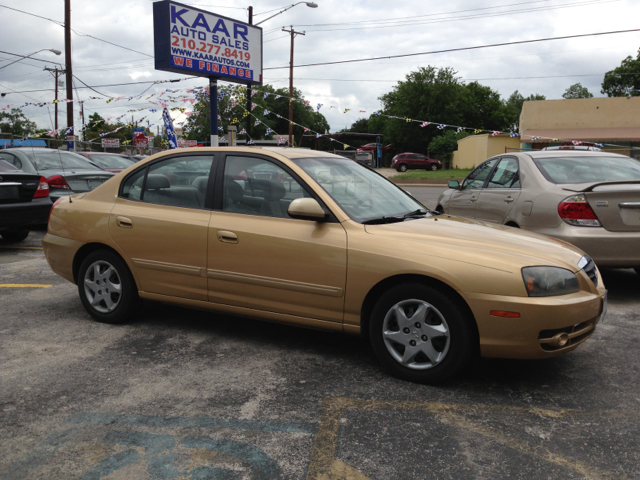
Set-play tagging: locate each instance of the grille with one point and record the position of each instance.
(590, 270)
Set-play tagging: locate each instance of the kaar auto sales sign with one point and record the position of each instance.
(195, 42)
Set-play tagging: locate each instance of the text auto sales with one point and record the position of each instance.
(209, 49)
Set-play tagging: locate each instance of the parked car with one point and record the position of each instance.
(65, 172)
(24, 202)
(406, 161)
(111, 162)
(372, 147)
(326, 243)
(589, 199)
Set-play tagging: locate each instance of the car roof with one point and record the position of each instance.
(570, 153)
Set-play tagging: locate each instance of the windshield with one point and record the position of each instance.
(589, 169)
(57, 160)
(111, 161)
(361, 193)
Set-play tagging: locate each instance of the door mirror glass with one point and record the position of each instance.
(454, 184)
(306, 209)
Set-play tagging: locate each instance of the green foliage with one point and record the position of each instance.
(577, 91)
(359, 126)
(513, 106)
(15, 122)
(197, 127)
(97, 125)
(445, 144)
(623, 81)
(436, 95)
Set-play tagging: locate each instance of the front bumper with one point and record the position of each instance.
(21, 216)
(528, 337)
(608, 249)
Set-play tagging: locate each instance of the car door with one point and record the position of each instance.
(463, 201)
(260, 258)
(497, 199)
(160, 221)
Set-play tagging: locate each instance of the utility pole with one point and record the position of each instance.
(293, 34)
(248, 127)
(67, 62)
(83, 125)
(56, 74)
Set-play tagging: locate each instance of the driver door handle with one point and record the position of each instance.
(124, 222)
(473, 198)
(225, 236)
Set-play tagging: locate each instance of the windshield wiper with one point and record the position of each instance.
(395, 219)
(420, 212)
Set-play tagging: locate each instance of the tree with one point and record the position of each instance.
(16, 123)
(437, 96)
(98, 125)
(445, 144)
(623, 81)
(577, 91)
(514, 104)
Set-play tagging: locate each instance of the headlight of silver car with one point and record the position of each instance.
(549, 281)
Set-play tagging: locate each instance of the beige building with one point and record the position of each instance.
(607, 120)
(475, 149)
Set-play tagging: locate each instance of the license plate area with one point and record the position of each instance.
(10, 191)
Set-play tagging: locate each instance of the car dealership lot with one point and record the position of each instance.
(190, 394)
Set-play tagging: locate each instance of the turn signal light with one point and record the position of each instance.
(43, 189)
(502, 313)
(575, 210)
(58, 181)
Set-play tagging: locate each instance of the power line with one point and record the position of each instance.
(433, 52)
(61, 24)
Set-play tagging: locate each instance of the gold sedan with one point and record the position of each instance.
(312, 239)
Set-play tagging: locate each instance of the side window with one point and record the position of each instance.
(477, 178)
(12, 159)
(132, 188)
(255, 186)
(505, 175)
(176, 181)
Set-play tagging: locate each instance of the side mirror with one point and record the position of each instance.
(454, 184)
(306, 209)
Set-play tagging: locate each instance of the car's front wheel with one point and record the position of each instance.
(402, 168)
(14, 236)
(433, 167)
(107, 288)
(419, 334)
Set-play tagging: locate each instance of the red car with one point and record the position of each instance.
(404, 161)
(372, 147)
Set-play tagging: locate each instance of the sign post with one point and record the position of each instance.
(192, 41)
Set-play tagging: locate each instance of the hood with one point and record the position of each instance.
(478, 243)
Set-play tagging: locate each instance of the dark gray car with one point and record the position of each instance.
(65, 172)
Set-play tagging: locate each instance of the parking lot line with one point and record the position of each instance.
(23, 285)
(23, 248)
(324, 466)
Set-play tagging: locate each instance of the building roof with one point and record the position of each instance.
(629, 134)
(22, 143)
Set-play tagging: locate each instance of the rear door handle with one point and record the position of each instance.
(509, 199)
(124, 222)
(227, 237)
(473, 198)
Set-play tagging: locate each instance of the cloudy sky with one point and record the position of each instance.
(336, 30)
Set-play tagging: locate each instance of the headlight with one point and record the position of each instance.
(549, 281)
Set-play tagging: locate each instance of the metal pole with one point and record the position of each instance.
(67, 62)
(213, 110)
(248, 126)
(293, 34)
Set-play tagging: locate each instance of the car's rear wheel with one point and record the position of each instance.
(433, 167)
(107, 288)
(419, 334)
(14, 236)
(402, 168)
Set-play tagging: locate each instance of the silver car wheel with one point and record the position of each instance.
(416, 334)
(103, 286)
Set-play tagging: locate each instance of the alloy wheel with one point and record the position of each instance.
(103, 286)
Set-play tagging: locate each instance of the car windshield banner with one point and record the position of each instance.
(196, 42)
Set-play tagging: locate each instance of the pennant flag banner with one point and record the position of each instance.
(168, 126)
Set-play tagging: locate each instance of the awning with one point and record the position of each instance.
(548, 135)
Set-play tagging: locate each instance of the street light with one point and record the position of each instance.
(309, 4)
(52, 50)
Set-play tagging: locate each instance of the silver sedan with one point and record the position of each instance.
(588, 199)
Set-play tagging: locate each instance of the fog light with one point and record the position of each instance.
(559, 340)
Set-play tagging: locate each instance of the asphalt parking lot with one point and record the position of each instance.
(185, 394)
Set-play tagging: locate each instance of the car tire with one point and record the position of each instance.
(433, 167)
(103, 270)
(402, 168)
(14, 236)
(442, 340)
